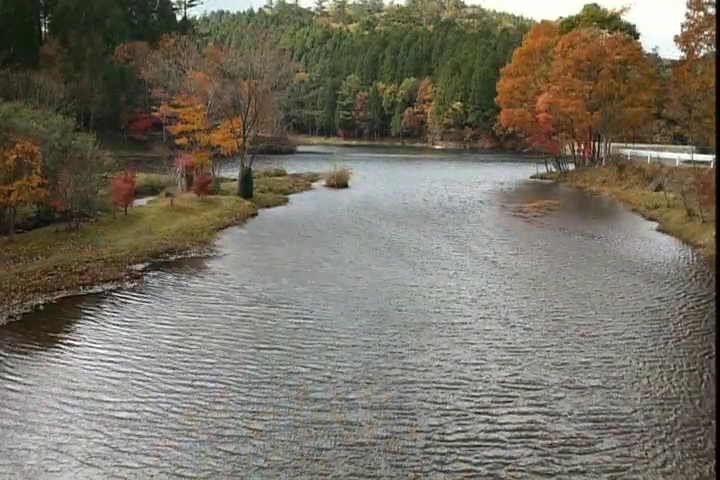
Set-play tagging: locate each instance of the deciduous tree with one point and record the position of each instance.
(122, 189)
(202, 183)
(21, 181)
(523, 80)
(605, 76)
(693, 83)
(252, 73)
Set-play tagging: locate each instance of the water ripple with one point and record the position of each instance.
(405, 328)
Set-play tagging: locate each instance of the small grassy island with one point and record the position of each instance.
(338, 178)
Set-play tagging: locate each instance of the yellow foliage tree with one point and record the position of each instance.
(21, 181)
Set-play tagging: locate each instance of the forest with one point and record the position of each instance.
(429, 70)
(419, 70)
(194, 88)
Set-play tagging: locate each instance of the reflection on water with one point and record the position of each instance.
(407, 327)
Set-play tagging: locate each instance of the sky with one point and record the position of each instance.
(657, 20)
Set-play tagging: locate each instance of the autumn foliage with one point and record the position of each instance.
(20, 178)
(692, 103)
(139, 124)
(202, 183)
(220, 101)
(122, 189)
(571, 95)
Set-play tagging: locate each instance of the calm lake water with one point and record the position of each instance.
(409, 327)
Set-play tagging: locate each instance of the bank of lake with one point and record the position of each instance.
(629, 183)
(51, 262)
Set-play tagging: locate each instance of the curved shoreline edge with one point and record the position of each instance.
(43, 266)
(628, 185)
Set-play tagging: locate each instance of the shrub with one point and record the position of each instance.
(201, 184)
(122, 189)
(70, 162)
(338, 178)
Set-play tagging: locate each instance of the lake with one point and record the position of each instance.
(408, 327)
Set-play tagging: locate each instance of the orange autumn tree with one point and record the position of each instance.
(523, 81)
(161, 73)
(178, 71)
(20, 176)
(563, 121)
(693, 78)
(605, 80)
(417, 117)
(195, 113)
(572, 95)
(190, 130)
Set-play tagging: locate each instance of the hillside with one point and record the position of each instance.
(426, 69)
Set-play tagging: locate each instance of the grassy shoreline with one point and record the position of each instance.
(628, 183)
(44, 264)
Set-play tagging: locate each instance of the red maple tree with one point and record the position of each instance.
(202, 183)
(122, 189)
(139, 124)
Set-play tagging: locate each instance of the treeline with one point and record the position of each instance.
(572, 90)
(426, 69)
(64, 74)
(204, 102)
(58, 54)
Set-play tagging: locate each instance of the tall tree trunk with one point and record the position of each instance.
(592, 149)
(189, 178)
(607, 149)
(688, 212)
(38, 23)
(664, 188)
(147, 96)
(12, 223)
(700, 209)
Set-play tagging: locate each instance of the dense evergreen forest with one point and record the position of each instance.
(59, 53)
(417, 70)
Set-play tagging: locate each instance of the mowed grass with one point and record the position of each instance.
(48, 262)
(628, 182)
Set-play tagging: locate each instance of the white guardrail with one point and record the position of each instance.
(651, 155)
